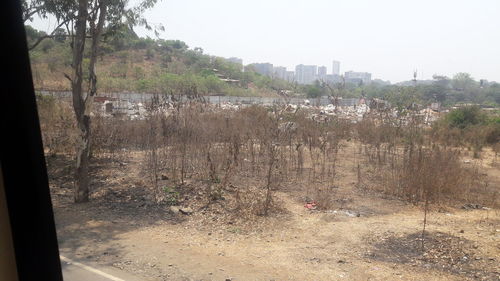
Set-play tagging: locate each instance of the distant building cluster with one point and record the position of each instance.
(308, 74)
(358, 77)
(263, 68)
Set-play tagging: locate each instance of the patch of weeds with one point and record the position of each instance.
(171, 195)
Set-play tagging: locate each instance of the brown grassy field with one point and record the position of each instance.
(246, 179)
(121, 227)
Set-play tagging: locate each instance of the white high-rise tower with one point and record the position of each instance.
(336, 67)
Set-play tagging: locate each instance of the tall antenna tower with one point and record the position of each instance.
(415, 77)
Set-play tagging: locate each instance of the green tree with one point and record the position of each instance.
(85, 20)
(462, 81)
(120, 36)
(313, 91)
(466, 116)
(33, 34)
(403, 98)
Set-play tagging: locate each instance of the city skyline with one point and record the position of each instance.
(308, 74)
(387, 39)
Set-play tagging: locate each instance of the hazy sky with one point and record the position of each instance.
(389, 38)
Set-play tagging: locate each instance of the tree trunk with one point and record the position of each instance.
(82, 162)
(83, 104)
(82, 151)
(272, 159)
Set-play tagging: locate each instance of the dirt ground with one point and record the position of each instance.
(367, 236)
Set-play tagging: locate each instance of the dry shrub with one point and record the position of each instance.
(447, 136)
(468, 126)
(191, 142)
(252, 201)
(194, 142)
(324, 197)
(435, 174)
(414, 163)
(57, 123)
(480, 136)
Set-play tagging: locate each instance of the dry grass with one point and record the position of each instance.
(193, 142)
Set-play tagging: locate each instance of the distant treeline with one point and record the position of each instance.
(462, 88)
(131, 63)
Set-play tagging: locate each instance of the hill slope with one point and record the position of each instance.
(132, 64)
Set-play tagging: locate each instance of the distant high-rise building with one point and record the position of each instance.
(263, 68)
(305, 74)
(336, 67)
(280, 72)
(322, 73)
(333, 78)
(290, 76)
(357, 77)
(235, 60)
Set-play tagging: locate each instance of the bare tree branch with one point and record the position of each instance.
(68, 77)
(31, 13)
(40, 39)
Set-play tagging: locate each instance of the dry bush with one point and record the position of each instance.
(108, 135)
(435, 174)
(467, 126)
(447, 136)
(190, 142)
(250, 202)
(416, 164)
(58, 126)
(324, 197)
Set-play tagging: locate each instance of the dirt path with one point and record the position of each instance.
(303, 245)
(312, 246)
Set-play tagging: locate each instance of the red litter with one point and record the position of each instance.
(310, 205)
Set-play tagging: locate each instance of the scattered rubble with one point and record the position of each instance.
(354, 110)
(348, 213)
(183, 210)
(186, 210)
(471, 206)
(175, 209)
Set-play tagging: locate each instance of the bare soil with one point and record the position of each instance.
(364, 236)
